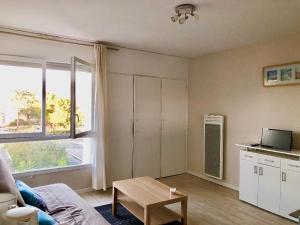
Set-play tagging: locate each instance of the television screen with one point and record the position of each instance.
(277, 139)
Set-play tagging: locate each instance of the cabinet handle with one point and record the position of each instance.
(283, 176)
(255, 169)
(249, 156)
(260, 171)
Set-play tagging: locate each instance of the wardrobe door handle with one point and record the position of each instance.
(255, 169)
(132, 123)
(283, 176)
(260, 171)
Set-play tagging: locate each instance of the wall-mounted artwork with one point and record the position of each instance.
(297, 73)
(284, 74)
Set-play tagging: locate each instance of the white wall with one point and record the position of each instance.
(124, 61)
(230, 83)
(48, 50)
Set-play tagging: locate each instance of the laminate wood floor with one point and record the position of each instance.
(208, 204)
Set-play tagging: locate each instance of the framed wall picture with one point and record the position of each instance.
(297, 73)
(283, 74)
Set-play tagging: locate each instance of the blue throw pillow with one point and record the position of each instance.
(44, 218)
(30, 196)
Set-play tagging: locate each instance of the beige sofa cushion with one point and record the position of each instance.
(7, 182)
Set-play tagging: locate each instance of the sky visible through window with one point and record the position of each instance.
(12, 79)
(58, 82)
(84, 97)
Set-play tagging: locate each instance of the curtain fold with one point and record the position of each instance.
(100, 134)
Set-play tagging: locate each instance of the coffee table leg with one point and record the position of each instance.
(115, 201)
(147, 216)
(184, 212)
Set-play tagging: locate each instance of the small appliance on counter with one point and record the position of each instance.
(277, 139)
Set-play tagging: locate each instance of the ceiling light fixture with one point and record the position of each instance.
(183, 12)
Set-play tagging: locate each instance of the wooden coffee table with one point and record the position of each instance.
(146, 198)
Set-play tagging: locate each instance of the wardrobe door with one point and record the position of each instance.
(120, 113)
(147, 113)
(173, 144)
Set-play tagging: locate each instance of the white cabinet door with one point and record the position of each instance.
(173, 143)
(147, 113)
(269, 188)
(290, 195)
(248, 181)
(120, 110)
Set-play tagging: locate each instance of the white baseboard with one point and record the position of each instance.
(233, 187)
(84, 190)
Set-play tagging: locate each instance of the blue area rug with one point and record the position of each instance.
(124, 217)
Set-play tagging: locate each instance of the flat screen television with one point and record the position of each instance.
(277, 139)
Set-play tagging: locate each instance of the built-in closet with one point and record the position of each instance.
(147, 126)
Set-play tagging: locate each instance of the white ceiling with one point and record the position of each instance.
(146, 24)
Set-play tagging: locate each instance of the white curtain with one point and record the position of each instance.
(100, 139)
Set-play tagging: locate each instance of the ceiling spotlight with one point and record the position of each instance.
(183, 11)
(181, 20)
(195, 16)
(174, 18)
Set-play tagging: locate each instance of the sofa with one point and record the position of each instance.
(62, 202)
(67, 207)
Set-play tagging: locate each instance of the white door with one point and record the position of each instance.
(290, 194)
(248, 181)
(173, 143)
(269, 188)
(147, 116)
(120, 110)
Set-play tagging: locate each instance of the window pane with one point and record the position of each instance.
(83, 89)
(25, 156)
(58, 101)
(21, 98)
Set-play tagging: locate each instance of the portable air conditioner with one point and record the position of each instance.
(213, 146)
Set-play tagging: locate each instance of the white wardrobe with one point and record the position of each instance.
(147, 126)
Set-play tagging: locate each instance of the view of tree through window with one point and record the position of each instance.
(21, 115)
(24, 156)
(21, 99)
(58, 101)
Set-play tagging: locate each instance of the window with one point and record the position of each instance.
(34, 155)
(58, 99)
(83, 111)
(45, 113)
(21, 98)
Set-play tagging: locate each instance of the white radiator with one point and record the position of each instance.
(213, 146)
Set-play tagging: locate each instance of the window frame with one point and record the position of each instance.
(73, 133)
(40, 136)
